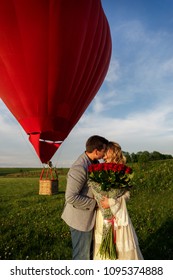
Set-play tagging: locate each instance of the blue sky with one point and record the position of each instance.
(134, 105)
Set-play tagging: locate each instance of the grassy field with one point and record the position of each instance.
(31, 225)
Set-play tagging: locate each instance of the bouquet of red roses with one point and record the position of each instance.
(110, 175)
(111, 180)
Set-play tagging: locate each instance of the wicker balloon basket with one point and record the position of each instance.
(48, 184)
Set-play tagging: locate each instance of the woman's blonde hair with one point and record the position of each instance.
(117, 154)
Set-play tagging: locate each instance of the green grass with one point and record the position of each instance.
(151, 209)
(31, 226)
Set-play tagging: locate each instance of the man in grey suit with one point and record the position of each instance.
(79, 211)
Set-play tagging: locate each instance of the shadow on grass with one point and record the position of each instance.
(159, 245)
(61, 192)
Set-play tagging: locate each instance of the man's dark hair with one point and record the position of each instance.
(95, 142)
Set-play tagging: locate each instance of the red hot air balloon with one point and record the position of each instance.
(54, 55)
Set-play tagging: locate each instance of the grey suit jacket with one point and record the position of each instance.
(79, 211)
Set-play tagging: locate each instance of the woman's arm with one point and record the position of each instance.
(109, 202)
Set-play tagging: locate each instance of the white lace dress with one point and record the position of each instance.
(127, 246)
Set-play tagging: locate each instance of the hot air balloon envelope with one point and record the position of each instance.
(54, 55)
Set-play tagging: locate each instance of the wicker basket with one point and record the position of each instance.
(48, 184)
(48, 187)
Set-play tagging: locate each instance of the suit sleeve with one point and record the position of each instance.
(77, 191)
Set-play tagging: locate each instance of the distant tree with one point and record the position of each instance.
(128, 156)
(139, 156)
(168, 156)
(144, 156)
(134, 157)
(156, 156)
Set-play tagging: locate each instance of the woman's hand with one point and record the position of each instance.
(104, 202)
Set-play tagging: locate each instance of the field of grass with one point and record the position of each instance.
(31, 225)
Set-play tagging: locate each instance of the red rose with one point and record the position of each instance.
(128, 170)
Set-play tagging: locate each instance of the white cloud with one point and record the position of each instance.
(113, 72)
(137, 132)
(98, 105)
(167, 67)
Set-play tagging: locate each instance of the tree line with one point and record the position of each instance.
(146, 156)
